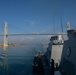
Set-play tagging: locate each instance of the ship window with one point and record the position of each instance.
(68, 52)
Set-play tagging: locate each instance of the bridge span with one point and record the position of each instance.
(31, 34)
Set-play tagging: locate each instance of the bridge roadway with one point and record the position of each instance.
(31, 34)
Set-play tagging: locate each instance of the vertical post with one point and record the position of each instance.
(5, 34)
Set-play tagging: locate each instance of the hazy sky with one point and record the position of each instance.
(36, 16)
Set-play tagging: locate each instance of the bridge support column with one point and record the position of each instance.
(5, 34)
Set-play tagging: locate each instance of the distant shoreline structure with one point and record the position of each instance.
(1, 45)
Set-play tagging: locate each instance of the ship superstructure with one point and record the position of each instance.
(54, 50)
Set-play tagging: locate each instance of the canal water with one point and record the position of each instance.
(17, 60)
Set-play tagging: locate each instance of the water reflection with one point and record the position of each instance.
(5, 61)
(18, 60)
(5, 48)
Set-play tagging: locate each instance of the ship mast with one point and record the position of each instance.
(54, 26)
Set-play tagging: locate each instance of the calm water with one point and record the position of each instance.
(18, 60)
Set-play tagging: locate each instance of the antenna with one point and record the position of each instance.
(61, 27)
(54, 25)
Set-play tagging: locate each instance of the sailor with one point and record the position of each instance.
(38, 66)
(52, 67)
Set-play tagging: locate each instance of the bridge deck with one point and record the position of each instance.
(30, 34)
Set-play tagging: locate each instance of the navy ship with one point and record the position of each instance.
(48, 62)
(68, 60)
(60, 55)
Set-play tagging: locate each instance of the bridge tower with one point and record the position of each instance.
(6, 34)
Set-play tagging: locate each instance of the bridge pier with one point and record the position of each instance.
(5, 34)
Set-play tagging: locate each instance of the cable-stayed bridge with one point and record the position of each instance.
(19, 34)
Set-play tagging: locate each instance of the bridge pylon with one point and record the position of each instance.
(6, 34)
